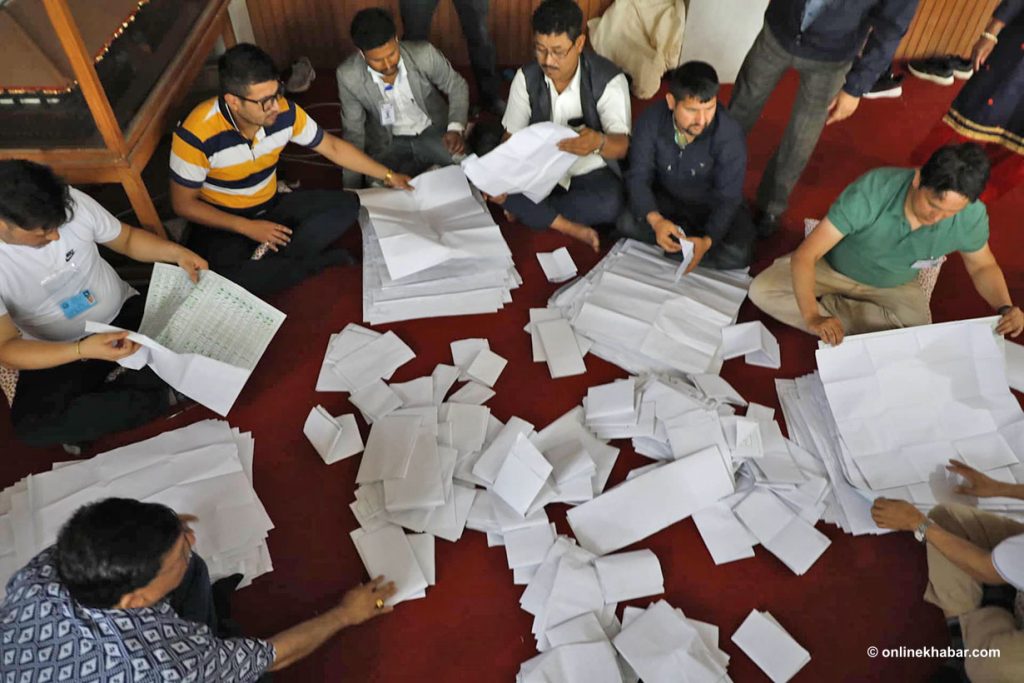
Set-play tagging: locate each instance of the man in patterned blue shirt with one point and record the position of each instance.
(122, 597)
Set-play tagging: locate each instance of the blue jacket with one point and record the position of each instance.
(708, 173)
(839, 32)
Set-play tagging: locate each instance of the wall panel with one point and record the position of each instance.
(319, 28)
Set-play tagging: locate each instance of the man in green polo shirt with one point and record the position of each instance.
(856, 271)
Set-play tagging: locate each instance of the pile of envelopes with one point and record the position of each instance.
(432, 252)
(887, 411)
(204, 470)
(639, 316)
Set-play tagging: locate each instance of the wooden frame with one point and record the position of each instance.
(126, 152)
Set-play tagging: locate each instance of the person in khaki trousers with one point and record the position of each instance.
(856, 271)
(969, 550)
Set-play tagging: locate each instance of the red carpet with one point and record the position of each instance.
(862, 592)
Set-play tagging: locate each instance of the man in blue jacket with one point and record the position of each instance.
(821, 39)
(685, 180)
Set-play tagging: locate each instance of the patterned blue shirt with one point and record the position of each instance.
(46, 636)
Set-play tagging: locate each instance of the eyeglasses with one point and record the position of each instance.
(265, 102)
(543, 53)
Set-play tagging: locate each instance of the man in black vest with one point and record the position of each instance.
(583, 91)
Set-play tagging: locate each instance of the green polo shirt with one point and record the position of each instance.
(878, 247)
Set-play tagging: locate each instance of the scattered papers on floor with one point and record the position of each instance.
(528, 163)
(203, 339)
(432, 252)
(633, 312)
(764, 640)
(204, 470)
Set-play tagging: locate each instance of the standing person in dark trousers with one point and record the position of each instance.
(122, 596)
(224, 180)
(687, 161)
(821, 39)
(52, 281)
(579, 89)
(417, 16)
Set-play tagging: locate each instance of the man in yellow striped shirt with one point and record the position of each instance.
(224, 159)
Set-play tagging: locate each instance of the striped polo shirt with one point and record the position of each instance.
(209, 152)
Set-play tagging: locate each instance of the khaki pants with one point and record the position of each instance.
(860, 308)
(959, 595)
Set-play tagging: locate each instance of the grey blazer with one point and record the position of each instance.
(430, 74)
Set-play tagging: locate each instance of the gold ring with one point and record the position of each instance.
(379, 603)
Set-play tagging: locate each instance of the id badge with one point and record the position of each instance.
(925, 264)
(69, 290)
(387, 114)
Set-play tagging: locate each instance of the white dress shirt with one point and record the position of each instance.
(409, 118)
(613, 107)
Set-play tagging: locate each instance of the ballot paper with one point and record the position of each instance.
(203, 339)
(389, 448)
(723, 534)
(204, 470)
(627, 576)
(647, 504)
(528, 163)
(472, 393)
(522, 475)
(686, 249)
(486, 367)
(791, 539)
(560, 349)
(334, 438)
(387, 552)
(764, 640)
(582, 662)
(754, 342)
(662, 646)
(557, 265)
(432, 252)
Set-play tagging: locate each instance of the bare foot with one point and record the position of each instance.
(583, 233)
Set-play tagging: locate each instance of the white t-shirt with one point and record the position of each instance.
(613, 107)
(34, 310)
(1008, 559)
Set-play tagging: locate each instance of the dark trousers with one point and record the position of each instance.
(414, 154)
(820, 82)
(593, 199)
(317, 219)
(73, 403)
(417, 16)
(734, 251)
(192, 600)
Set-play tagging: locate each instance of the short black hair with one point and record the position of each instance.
(372, 27)
(244, 65)
(112, 547)
(693, 79)
(963, 169)
(555, 17)
(32, 196)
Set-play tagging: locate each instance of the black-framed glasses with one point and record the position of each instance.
(265, 102)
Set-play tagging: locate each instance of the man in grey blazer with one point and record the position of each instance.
(391, 99)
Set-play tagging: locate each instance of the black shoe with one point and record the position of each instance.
(887, 85)
(767, 225)
(962, 68)
(998, 596)
(934, 69)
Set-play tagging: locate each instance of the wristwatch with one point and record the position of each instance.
(604, 139)
(919, 532)
(1004, 309)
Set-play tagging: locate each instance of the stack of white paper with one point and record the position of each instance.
(754, 342)
(389, 552)
(638, 316)
(432, 252)
(203, 339)
(529, 162)
(203, 470)
(663, 646)
(764, 640)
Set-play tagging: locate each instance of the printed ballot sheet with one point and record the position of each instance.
(203, 339)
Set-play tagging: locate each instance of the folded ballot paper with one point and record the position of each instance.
(334, 438)
(557, 265)
(754, 342)
(528, 163)
(432, 252)
(764, 640)
(203, 339)
(204, 470)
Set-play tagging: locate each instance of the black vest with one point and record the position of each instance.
(595, 73)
